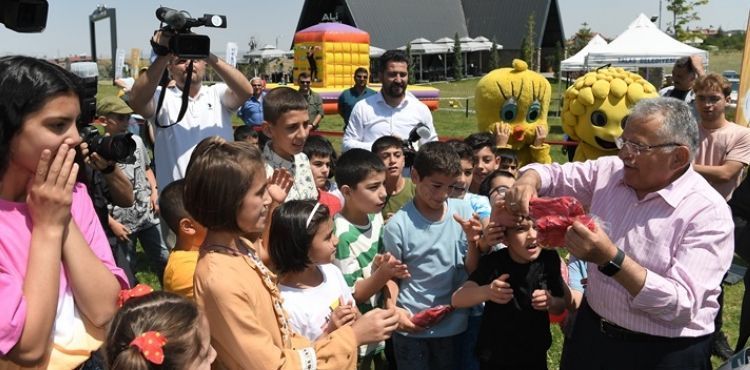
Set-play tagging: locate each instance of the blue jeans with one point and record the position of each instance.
(424, 353)
(153, 245)
(466, 345)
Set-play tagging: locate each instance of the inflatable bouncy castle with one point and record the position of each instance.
(334, 50)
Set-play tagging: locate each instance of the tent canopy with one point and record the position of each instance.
(642, 45)
(267, 52)
(578, 61)
(422, 46)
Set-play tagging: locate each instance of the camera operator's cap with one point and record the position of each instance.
(112, 104)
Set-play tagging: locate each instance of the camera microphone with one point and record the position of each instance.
(419, 132)
(172, 17)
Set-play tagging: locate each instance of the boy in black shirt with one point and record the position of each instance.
(520, 284)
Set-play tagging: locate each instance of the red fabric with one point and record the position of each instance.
(431, 316)
(151, 344)
(329, 200)
(139, 291)
(553, 216)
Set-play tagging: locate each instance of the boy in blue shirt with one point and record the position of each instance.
(424, 236)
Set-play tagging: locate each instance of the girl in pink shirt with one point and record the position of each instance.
(58, 280)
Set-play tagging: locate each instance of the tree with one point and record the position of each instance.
(528, 48)
(580, 39)
(683, 12)
(458, 65)
(494, 56)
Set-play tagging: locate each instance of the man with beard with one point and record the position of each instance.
(209, 111)
(391, 112)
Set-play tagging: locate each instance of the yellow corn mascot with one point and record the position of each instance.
(596, 107)
(520, 98)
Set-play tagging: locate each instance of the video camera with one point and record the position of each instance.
(419, 132)
(184, 43)
(118, 148)
(24, 15)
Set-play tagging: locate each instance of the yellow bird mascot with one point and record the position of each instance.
(518, 97)
(596, 107)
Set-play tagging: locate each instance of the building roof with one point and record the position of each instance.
(507, 23)
(392, 23)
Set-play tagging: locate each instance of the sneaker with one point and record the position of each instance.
(720, 346)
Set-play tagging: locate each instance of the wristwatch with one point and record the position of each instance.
(612, 267)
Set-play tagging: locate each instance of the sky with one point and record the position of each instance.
(67, 31)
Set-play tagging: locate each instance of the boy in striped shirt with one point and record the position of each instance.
(360, 175)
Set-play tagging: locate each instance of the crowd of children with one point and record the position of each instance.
(286, 255)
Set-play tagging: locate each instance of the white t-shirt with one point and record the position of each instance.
(373, 118)
(310, 309)
(206, 115)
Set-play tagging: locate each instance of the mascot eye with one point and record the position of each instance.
(509, 111)
(624, 121)
(534, 110)
(598, 118)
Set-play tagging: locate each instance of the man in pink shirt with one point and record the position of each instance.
(724, 147)
(661, 247)
(723, 154)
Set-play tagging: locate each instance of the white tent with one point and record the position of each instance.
(266, 52)
(376, 52)
(578, 61)
(642, 45)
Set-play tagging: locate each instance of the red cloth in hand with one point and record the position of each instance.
(553, 216)
(431, 316)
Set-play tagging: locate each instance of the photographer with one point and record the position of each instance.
(209, 112)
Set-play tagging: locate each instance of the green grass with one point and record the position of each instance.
(449, 123)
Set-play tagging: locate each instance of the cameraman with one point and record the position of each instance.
(209, 110)
(107, 185)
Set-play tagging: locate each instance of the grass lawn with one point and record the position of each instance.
(456, 123)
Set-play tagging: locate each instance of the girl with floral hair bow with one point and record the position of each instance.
(157, 330)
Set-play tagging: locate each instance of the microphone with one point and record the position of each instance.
(419, 132)
(174, 18)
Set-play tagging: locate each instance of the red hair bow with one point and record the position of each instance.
(139, 291)
(151, 345)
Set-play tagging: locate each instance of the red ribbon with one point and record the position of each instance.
(139, 291)
(151, 345)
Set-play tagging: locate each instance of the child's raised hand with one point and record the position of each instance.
(376, 325)
(51, 190)
(279, 185)
(541, 134)
(499, 290)
(502, 134)
(493, 235)
(540, 299)
(472, 227)
(392, 267)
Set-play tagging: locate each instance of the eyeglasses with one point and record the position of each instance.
(637, 148)
(304, 82)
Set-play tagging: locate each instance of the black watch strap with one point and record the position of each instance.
(158, 49)
(612, 267)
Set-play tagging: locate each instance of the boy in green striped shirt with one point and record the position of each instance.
(360, 175)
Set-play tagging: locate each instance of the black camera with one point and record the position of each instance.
(119, 148)
(24, 15)
(183, 43)
(419, 132)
